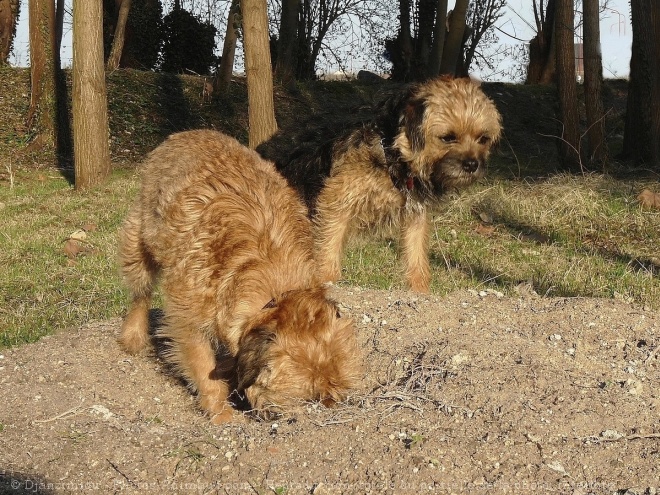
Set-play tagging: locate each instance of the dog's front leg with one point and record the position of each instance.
(331, 221)
(195, 359)
(414, 247)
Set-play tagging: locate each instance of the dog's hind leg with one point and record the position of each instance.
(139, 271)
(415, 245)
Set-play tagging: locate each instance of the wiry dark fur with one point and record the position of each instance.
(310, 162)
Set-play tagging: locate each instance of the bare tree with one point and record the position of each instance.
(593, 76)
(261, 108)
(425, 27)
(9, 10)
(642, 130)
(482, 16)
(566, 86)
(542, 58)
(454, 42)
(285, 67)
(59, 25)
(44, 63)
(223, 75)
(439, 33)
(317, 18)
(401, 48)
(90, 113)
(120, 35)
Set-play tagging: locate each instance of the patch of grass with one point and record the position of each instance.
(154, 420)
(41, 289)
(564, 235)
(372, 262)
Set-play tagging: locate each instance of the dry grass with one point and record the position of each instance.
(565, 235)
(562, 235)
(43, 287)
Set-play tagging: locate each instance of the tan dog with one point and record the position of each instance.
(233, 246)
(431, 139)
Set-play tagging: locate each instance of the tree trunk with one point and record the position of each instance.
(261, 109)
(119, 37)
(403, 47)
(44, 62)
(223, 76)
(454, 43)
(641, 141)
(542, 53)
(566, 86)
(549, 70)
(90, 112)
(8, 17)
(426, 10)
(593, 77)
(655, 95)
(439, 33)
(59, 26)
(285, 67)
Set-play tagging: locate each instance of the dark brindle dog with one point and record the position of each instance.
(431, 139)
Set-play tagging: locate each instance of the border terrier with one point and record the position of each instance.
(232, 245)
(433, 138)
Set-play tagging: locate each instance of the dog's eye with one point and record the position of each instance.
(337, 314)
(448, 138)
(484, 139)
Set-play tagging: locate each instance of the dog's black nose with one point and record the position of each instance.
(470, 165)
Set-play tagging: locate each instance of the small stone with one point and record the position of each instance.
(556, 466)
(610, 435)
(460, 358)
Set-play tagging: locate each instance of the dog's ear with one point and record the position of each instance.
(253, 355)
(412, 118)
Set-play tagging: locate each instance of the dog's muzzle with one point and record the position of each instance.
(455, 172)
(470, 165)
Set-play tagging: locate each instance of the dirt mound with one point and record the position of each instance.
(473, 392)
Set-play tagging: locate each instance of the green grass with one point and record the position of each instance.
(41, 289)
(565, 235)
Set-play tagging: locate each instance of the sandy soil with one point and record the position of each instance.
(469, 393)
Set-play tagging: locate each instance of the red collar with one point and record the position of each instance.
(410, 183)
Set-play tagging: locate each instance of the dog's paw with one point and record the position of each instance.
(226, 416)
(220, 411)
(135, 329)
(133, 342)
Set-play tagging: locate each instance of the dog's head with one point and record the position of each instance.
(447, 128)
(299, 348)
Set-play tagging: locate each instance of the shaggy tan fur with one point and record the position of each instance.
(233, 247)
(434, 138)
